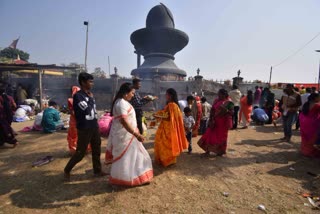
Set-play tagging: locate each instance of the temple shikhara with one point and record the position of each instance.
(158, 42)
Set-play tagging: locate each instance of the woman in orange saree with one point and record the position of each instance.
(220, 121)
(170, 138)
(246, 109)
(72, 137)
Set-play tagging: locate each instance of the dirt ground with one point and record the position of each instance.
(258, 169)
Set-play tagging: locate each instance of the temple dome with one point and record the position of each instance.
(160, 16)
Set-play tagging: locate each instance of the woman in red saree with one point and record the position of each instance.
(197, 114)
(72, 131)
(310, 126)
(220, 121)
(246, 109)
(170, 138)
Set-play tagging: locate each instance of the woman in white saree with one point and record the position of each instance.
(131, 163)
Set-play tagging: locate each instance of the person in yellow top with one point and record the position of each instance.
(170, 138)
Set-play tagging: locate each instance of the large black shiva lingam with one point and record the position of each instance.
(158, 43)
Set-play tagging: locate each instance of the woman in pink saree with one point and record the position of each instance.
(310, 126)
(131, 163)
(220, 121)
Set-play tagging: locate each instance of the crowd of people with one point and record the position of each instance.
(179, 122)
(22, 109)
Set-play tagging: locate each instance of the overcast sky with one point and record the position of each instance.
(225, 35)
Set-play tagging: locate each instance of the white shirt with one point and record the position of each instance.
(235, 96)
(188, 122)
(182, 104)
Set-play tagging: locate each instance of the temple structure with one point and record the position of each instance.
(158, 42)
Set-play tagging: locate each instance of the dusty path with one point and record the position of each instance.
(258, 169)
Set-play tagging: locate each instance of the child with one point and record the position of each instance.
(189, 122)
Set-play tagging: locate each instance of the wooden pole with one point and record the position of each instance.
(109, 65)
(85, 59)
(270, 76)
(40, 88)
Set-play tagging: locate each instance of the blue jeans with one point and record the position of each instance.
(189, 138)
(288, 121)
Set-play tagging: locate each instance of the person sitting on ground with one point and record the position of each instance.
(188, 122)
(259, 116)
(276, 114)
(23, 112)
(51, 121)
